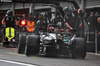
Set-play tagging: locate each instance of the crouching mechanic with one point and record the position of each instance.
(8, 21)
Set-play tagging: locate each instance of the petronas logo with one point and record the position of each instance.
(10, 32)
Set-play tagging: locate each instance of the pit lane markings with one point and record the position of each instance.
(15, 54)
(18, 63)
(13, 48)
(94, 53)
(20, 54)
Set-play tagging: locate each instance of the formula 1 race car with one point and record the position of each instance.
(56, 42)
(53, 41)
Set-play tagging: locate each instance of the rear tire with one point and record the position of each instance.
(32, 45)
(79, 48)
(22, 43)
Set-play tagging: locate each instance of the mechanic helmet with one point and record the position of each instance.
(9, 13)
(39, 16)
(44, 15)
(67, 10)
(59, 17)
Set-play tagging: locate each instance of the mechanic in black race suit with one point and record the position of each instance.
(8, 21)
(71, 17)
(94, 20)
(42, 21)
(39, 22)
(23, 18)
(21, 28)
(73, 20)
(98, 32)
(97, 25)
(45, 20)
(60, 22)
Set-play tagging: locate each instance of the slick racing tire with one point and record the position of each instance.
(32, 45)
(22, 43)
(79, 48)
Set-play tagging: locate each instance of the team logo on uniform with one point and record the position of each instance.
(30, 26)
(10, 32)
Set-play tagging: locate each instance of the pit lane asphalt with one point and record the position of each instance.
(10, 54)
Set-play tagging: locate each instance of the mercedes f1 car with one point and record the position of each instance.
(53, 41)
